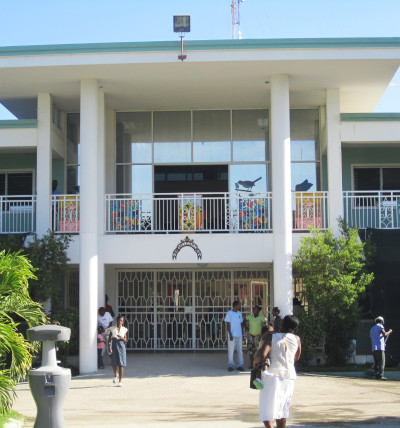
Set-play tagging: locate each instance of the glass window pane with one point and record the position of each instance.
(391, 179)
(211, 126)
(218, 151)
(367, 179)
(249, 134)
(135, 179)
(248, 151)
(302, 172)
(73, 179)
(250, 178)
(73, 138)
(172, 152)
(172, 126)
(141, 152)
(302, 150)
(304, 128)
(133, 131)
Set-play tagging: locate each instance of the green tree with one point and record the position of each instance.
(16, 308)
(334, 273)
(48, 256)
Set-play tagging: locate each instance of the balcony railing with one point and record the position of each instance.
(372, 209)
(310, 209)
(17, 214)
(206, 212)
(65, 213)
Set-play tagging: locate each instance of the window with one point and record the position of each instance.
(16, 183)
(371, 180)
(304, 150)
(376, 178)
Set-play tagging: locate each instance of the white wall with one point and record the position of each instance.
(370, 131)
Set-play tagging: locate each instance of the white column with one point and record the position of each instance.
(43, 165)
(334, 155)
(88, 268)
(281, 193)
(101, 192)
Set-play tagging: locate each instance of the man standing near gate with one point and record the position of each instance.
(234, 321)
(378, 336)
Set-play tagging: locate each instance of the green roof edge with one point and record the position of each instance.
(370, 117)
(198, 45)
(18, 123)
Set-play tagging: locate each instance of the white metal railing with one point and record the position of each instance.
(309, 209)
(372, 209)
(65, 213)
(206, 212)
(17, 214)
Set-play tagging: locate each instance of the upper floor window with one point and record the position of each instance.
(16, 183)
(376, 178)
(305, 156)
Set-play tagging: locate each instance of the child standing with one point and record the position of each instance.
(100, 346)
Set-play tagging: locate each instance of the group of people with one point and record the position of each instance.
(113, 338)
(273, 342)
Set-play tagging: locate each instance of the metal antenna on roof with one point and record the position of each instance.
(235, 11)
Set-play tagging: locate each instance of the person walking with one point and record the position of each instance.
(234, 321)
(278, 379)
(118, 336)
(378, 337)
(276, 313)
(255, 324)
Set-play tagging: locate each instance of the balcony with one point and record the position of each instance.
(65, 213)
(309, 209)
(169, 213)
(188, 213)
(17, 214)
(372, 209)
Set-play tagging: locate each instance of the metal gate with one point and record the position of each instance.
(185, 309)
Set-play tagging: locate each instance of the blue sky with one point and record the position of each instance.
(44, 22)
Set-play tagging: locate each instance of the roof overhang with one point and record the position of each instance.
(216, 74)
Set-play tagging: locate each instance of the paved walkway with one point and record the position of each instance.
(195, 390)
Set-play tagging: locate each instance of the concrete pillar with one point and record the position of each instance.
(334, 158)
(43, 164)
(101, 191)
(89, 264)
(281, 193)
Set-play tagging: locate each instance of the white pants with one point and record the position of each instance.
(235, 344)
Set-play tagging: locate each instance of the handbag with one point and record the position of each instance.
(254, 374)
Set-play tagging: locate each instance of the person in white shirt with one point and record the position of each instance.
(104, 318)
(234, 321)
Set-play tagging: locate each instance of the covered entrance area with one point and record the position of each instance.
(185, 309)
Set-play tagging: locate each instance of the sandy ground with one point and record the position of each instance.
(196, 390)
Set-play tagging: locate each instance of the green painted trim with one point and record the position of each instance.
(199, 45)
(21, 123)
(370, 117)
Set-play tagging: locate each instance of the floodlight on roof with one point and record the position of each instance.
(182, 25)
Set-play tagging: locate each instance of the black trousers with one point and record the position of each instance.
(379, 363)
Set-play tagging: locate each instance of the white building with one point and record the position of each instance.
(187, 171)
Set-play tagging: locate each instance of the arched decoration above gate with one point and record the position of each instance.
(187, 243)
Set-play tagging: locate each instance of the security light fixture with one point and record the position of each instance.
(182, 25)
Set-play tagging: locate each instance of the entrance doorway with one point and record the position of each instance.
(185, 309)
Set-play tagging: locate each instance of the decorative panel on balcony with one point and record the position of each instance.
(68, 211)
(125, 215)
(253, 213)
(190, 212)
(308, 210)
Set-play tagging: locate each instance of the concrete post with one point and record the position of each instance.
(88, 273)
(334, 158)
(43, 165)
(281, 193)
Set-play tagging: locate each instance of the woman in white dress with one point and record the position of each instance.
(118, 335)
(284, 348)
